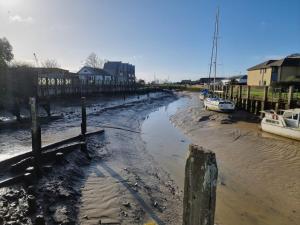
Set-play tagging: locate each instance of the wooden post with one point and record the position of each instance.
(256, 108)
(290, 97)
(276, 107)
(83, 116)
(231, 92)
(224, 91)
(248, 98)
(264, 100)
(201, 173)
(240, 96)
(35, 135)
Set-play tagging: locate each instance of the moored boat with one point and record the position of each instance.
(219, 104)
(286, 125)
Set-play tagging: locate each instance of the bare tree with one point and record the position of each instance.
(50, 63)
(6, 54)
(20, 64)
(94, 61)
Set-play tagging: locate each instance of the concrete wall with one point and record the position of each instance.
(259, 77)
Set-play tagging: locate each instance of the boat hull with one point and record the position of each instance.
(213, 106)
(281, 131)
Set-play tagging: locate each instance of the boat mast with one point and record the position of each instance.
(216, 48)
(214, 52)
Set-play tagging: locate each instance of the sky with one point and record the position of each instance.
(166, 39)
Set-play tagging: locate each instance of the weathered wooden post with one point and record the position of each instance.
(201, 173)
(83, 116)
(276, 107)
(35, 135)
(248, 98)
(224, 91)
(240, 96)
(256, 108)
(264, 100)
(231, 92)
(290, 97)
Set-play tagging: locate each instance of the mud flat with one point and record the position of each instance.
(121, 184)
(258, 173)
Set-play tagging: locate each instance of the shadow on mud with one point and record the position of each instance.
(133, 192)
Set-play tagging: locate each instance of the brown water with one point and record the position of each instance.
(167, 144)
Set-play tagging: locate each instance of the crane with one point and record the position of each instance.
(36, 60)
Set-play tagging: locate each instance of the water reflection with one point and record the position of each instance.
(165, 142)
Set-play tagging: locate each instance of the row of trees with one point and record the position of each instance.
(7, 56)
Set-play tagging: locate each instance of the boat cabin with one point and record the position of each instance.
(292, 117)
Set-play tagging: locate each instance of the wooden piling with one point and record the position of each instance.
(83, 116)
(35, 135)
(201, 173)
(290, 97)
(248, 98)
(231, 92)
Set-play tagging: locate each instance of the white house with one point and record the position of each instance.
(90, 75)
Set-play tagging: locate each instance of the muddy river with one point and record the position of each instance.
(259, 175)
(165, 142)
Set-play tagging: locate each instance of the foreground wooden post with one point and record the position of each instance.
(201, 173)
(83, 116)
(35, 135)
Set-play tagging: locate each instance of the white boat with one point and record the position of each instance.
(286, 125)
(219, 104)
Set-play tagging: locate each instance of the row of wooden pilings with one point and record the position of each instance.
(255, 105)
(36, 132)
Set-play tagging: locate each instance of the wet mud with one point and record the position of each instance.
(258, 172)
(121, 184)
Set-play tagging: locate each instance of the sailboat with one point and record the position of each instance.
(212, 103)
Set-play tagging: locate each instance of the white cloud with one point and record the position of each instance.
(20, 19)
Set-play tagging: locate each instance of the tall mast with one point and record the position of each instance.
(214, 51)
(216, 46)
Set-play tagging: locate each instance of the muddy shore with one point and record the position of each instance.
(136, 172)
(122, 184)
(258, 172)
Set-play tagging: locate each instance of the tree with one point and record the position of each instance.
(50, 63)
(6, 54)
(94, 61)
(20, 64)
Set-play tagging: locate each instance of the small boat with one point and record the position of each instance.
(285, 124)
(219, 104)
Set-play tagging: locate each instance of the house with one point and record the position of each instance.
(206, 80)
(97, 76)
(186, 82)
(240, 79)
(275, 71)
(123, 73)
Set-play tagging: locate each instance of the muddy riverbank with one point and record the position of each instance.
(136, 172)
(258, 173)
(122, 183)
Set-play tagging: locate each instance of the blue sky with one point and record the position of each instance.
(169, 38)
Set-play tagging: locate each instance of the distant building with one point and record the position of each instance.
(206, 80)
(272, 71)
(123, 73)
(90, 75)
(186, 82)
(240, 79)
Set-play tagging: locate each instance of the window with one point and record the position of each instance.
(295, 116)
